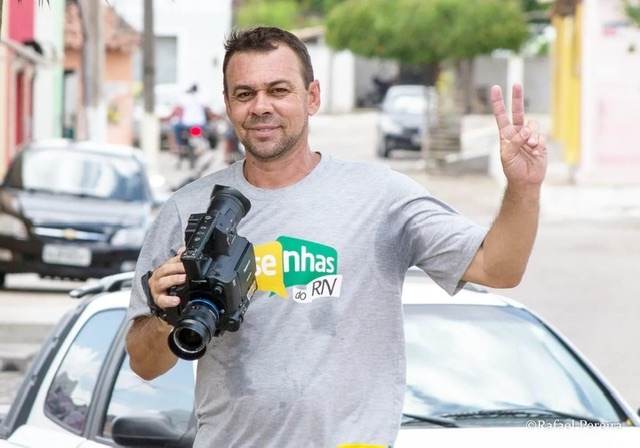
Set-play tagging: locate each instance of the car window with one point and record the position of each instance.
(85, 173)
(412, 104)
(467, 358)
(71, 391)
(169, 396)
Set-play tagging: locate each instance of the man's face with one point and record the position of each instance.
(268, 103)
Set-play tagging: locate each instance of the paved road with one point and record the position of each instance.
(582, 273)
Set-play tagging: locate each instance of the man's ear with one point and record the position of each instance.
(313, 97)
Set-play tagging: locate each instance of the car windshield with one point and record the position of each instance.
(473, 358)
(79, 173)
(411, 104)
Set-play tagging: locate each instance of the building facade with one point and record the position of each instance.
(24, 61)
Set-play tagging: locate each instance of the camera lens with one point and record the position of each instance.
(194, 329)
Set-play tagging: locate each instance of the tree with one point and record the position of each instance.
(280, 13)
(421, 32)
(428, 35)
(632, 9)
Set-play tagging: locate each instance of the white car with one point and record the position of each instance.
(483, 370)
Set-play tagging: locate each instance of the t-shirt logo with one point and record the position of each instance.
(308, 268)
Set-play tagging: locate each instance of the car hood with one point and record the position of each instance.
(522, 437)
(42, 209)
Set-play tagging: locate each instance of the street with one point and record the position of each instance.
(581, 276)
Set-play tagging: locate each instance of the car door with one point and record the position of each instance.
(92, 385)
(167, 401)
(162, 408)
(62, 412)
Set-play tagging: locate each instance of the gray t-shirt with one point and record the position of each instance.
(319, 360)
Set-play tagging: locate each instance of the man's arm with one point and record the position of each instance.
(149, 352)
(146, 340)
(502, 259)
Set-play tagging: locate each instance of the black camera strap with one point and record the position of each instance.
(155, 309)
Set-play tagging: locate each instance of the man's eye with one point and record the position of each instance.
(279, 91)
(243, 95)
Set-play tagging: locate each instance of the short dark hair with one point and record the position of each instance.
(266, 39)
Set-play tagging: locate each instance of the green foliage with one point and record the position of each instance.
(318, 6)
(426, 31)
(633, 11)
(281, 13)
(536, 11)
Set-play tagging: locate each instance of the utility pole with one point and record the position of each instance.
(93, 117)
(150, 135)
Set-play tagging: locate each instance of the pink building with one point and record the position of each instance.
(20, 57)
(610, 103)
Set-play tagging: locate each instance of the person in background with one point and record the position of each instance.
(190, 110)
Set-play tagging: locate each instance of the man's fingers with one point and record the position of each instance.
(519, 140)
(534, 138)
(499, 109)
(169, 274)
(528, 140)
(517, 105)
(160, 289)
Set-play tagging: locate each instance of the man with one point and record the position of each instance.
(326, 369)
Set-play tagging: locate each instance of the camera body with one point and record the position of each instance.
(220, 269)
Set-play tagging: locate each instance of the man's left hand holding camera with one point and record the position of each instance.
(150, 355)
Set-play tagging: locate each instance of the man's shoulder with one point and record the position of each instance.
(206, 182)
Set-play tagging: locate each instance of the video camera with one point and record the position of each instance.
(220, 267)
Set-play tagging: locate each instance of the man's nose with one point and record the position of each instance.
(261, 103)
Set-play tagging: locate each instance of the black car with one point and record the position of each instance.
(75, 210)
(404, 114)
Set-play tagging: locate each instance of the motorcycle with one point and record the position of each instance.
(195, 143)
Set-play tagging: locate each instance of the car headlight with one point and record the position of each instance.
(389, 126)
(129, 237)
(13, 227)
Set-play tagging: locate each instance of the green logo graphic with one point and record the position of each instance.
(310, 268)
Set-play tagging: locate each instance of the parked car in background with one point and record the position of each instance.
(482, 370)
(404, 114)
(74, 210)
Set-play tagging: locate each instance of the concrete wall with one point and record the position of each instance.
(537, 80)
(336, 74)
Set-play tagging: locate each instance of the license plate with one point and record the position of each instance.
(67, 255)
